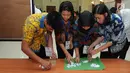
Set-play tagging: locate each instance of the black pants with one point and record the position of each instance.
(41, 53)
(121, 53)
(61, 53)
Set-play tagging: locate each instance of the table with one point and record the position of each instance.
(29, 66)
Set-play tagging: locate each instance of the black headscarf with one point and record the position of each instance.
(86, 18)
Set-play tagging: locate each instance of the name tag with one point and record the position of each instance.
(48, 51)
(85, 51)
(67, 45)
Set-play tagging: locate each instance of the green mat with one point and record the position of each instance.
(86, 66)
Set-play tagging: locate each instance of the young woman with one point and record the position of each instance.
(64, 37)
(84, 33)
(111, 30)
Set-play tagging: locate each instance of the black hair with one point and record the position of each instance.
(113, 10)
(76, 12)
(102, 9)
(54, 20)
(86, 18)
(67, 5)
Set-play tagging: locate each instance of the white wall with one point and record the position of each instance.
(127, 3)
(43, 3)
(86, 5)
(38, 3)
(110, 4)
(11, 50)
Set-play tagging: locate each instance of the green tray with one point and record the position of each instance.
(86, 66)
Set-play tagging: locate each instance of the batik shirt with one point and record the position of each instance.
(33, 34)
(80, 38)
(114, 32)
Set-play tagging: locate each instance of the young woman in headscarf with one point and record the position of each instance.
(84, 33)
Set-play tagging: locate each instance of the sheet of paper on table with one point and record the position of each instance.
(84, 64)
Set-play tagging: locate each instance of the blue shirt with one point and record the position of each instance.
(114, 32)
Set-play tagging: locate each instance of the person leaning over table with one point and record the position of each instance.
(37, 35)
(64, 38)
(84, 33)
(111, 30)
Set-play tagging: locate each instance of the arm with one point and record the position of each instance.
(98, 40)
(108, 44)
(28, 32)
(77, 55)
(64, 50)
(50, 41)
(50, 44)
(67, 54)
(30, 53)
(77, 52)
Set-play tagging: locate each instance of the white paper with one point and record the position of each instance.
(86, 61)
(67, 45)
(95, 65)
(48, 51)
(72, 64)
(85, 49)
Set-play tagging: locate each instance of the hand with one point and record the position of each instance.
(46, 64)
(89, 57)
(90, 49)
(69, 58)
(77, 59)
(93, 52)
(53, 55)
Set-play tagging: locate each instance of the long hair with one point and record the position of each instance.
(67, 5)
(102, 9)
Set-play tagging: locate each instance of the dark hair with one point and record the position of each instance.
(67, 5)
(86, 18)
(54, 20)
(102, 9)
(113, 10)
(76, 12)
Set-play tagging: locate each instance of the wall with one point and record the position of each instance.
(110, 4)
(12, 16)
(43, 3)
(86, 5)
(127, 3)
(38, 3)
(50, 3)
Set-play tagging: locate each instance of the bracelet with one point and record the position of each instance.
(97, 50)
(77, 57)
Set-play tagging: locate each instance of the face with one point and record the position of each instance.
(100, 18)
(66, 15)
(86, 27)
(48, 27)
